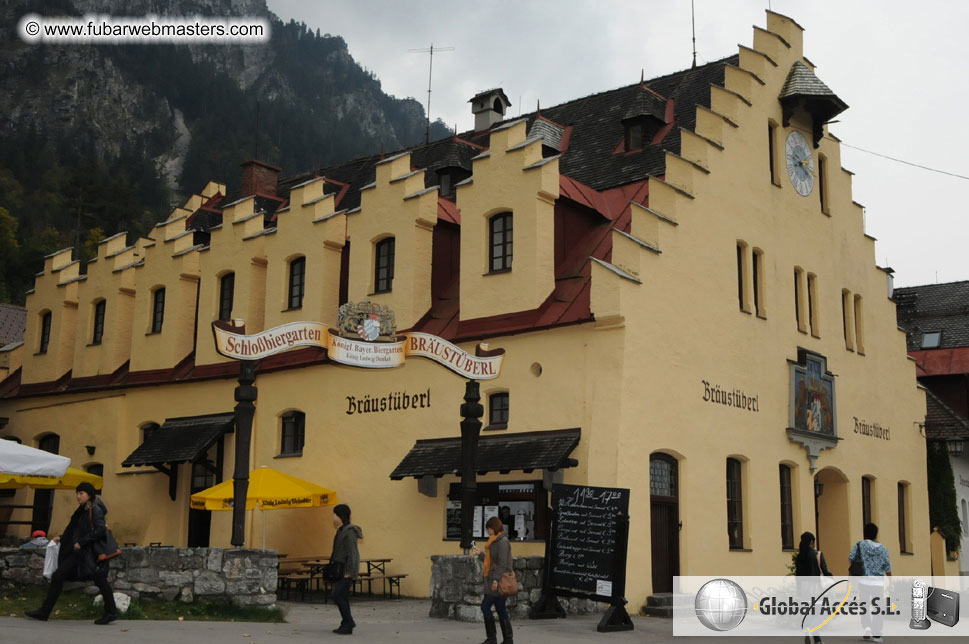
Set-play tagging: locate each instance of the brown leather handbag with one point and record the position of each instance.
(508, 584)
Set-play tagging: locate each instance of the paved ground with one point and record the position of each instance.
(404, 621)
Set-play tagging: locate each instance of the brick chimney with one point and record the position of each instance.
(258, 177)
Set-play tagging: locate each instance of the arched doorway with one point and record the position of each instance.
(831, 518)
(664, 520)
(44, 499)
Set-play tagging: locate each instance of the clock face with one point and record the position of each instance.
(800, 163)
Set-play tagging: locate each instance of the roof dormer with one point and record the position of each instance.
(803, 89)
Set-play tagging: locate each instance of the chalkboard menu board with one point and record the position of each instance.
(588, 548)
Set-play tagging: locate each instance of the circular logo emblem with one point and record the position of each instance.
(721, 605)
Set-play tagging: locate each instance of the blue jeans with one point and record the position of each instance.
(498, 603)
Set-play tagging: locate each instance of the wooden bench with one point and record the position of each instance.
(293, 583)
(389, 582)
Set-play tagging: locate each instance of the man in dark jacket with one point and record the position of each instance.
(77, 560)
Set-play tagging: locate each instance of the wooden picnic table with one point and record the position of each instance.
(376, 571)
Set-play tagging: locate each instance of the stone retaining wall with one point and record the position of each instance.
(242, 577)
(457, 588)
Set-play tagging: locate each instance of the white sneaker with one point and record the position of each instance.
(877, 638)
(867, 634)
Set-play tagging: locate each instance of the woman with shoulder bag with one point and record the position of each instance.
(345, 552)
(497, 562)
(78, 560)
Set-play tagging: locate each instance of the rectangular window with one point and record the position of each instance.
(902, 517)
(98, 322)
(634, 137)
(822, 181)
(847, 321)
(500, 235)
(498, 410)
(158, 311)
(757, 268)
(384, 268)
(735, 507)
(859, 325)
(787, 509)
(812, 296)
(799, 300)
(525, 518)
(293, 434)
(44, 332)
(740, 277)
(771, 160)
(865, 500)
(297, 275)
(930, 339)
(227, 287)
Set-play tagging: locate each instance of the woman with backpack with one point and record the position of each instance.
(77, 560)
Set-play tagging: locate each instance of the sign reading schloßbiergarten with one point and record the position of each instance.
(366, 337)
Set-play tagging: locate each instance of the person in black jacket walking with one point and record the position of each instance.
(77, 560)
(809, 566)
(345, 552)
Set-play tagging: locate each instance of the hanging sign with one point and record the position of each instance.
(366, 338)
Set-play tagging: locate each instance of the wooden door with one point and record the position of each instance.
(664, 521)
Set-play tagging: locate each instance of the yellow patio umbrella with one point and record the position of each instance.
(71, 479)
(269, 489)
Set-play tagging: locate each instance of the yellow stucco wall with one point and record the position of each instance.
(632, 380)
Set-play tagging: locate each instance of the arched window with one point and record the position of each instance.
(735, 505)
(44, 499)
(297, 282)
(45, 320)
(227, 285)
(293, 433)
(787, 508)
(500, 241)
(498, 410)
(158, 310)
(99, 308)
(383, 274)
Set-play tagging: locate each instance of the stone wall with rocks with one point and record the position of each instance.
(240, 577)
(457, 587)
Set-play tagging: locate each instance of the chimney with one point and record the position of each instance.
(489, 108)
(258, 177)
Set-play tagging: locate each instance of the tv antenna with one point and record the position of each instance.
(693, 25)
(430, 69)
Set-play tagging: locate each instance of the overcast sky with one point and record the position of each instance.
(900, 66)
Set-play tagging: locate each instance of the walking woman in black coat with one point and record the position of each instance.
(809, 566)
(77, 560)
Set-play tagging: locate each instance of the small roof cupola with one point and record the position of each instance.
(489, 108)
(805, 90)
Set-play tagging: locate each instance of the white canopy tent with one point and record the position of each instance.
(20, 459)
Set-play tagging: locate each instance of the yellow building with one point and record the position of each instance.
(682, 284)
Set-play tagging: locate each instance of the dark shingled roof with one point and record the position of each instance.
(941, 421)
(181, 439)
(597, 131)
(500, 453)
(934, 307)
(13, 323)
